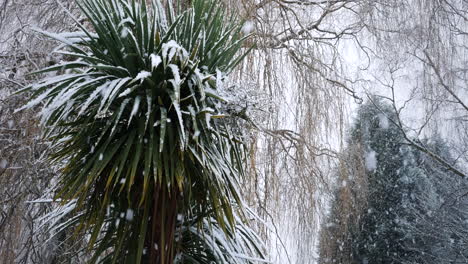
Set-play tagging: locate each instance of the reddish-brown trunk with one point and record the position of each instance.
(162, 225)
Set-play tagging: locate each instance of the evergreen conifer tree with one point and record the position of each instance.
(398, 205)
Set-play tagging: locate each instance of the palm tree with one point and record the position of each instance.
(151, 164)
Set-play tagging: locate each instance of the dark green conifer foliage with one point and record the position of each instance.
(379, 238)
(398, 205)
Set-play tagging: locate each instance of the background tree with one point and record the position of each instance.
(24, 174)
(367, 220)
(392, 211)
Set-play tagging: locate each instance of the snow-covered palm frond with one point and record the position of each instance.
(131, 119)
(210, 244)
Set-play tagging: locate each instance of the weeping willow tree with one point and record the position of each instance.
(150, 161)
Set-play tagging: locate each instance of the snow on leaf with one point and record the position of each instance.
(142, 76)
(57, 214)
(78, 35)
(219, 79)
(135, 108)
(65, 96)
(122, 107)
(107, 91)
(127, 91)
(170, 49)
(175, 72)
(155, 61)
(124, 21)
(148, 112)
(54, 80)
(63, 37)
(99, 90)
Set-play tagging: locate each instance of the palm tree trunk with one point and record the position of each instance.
(161, 234)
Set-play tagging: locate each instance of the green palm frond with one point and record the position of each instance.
(209, 244)
(134, 118)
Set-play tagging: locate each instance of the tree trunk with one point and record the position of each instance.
(162, 224)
